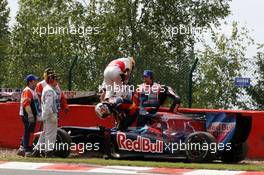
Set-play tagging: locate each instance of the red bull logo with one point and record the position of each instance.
(141, 144)
(221, 129)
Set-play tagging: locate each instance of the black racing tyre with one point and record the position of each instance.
(200, 147)
(63, 144)
(237, 153)
(35, 142)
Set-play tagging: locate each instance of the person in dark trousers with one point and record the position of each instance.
(29, 109)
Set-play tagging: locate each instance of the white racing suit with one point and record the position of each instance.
(50, 108)
(113, 83)
(128, 65)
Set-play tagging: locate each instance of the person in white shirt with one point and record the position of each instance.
(50, 107)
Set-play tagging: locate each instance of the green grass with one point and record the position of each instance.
(99, 161)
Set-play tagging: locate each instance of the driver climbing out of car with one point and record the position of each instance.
(147, 98)
(150, 95)
(130, 65)
(123, 108)
(147, 93)
(116, 75)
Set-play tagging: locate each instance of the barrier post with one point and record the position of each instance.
(70, 73)
(191, 82)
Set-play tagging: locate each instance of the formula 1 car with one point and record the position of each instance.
(195, 137)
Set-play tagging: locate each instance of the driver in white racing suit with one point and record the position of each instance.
(116, 74)
(129, 65)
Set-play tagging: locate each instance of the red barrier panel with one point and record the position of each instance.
(11, 125)
(11, 129)
(256, 137)
(83, 115)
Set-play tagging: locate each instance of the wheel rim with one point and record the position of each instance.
(194, 152)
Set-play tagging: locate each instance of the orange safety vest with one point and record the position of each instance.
(29, 98)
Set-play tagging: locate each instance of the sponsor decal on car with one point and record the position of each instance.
(141, 144)
(220, 128)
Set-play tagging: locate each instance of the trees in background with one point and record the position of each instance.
(4, 38)
(32, 51)
(257, 91)
(220, 63)
(159, 34)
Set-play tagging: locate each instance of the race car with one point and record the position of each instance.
(194, 137)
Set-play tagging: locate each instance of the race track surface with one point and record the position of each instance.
(29, 168)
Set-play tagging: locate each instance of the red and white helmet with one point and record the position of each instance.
(102, 110)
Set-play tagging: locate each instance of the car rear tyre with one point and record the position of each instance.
(63, 144)
(237, 153)
(201, 147)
